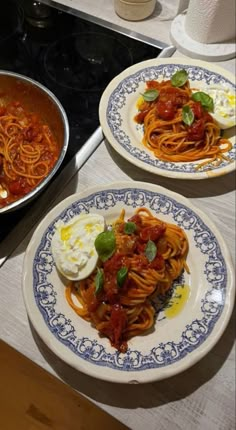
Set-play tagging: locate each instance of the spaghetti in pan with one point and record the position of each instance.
(28, 151)
(138, 260)
(178, 125)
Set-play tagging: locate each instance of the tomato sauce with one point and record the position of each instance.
(112, 292)
(170, 99)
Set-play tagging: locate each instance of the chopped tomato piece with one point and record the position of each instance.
(197, 110)
(175, 95)
(118, 323)
(166, 109)
(196, 130)
(15, 187)
(2, 110)
(158, 262)
(208, 117)
(136, 219)
(153, 85)
(139, 118)
(152, 233)
(91, 299)
(114, 263)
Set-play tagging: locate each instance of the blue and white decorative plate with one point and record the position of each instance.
(118, 107)
(174, 344)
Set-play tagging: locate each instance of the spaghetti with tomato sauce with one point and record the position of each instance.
(149, 254)
(28, 152)
(170, 136)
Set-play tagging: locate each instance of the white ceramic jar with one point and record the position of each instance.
(134, 10)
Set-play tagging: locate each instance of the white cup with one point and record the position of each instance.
(134, 10)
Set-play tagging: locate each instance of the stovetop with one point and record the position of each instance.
(72, 56)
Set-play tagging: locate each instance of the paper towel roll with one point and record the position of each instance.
(211, 21)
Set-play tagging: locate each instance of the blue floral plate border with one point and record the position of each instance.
(155, 355)
(118, 107)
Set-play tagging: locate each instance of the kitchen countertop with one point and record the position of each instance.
(199, 398)
(155, 26)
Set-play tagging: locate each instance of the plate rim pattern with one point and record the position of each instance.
(126, 83)
(90, 350)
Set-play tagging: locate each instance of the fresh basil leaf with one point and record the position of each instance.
(206, 100)
(99, 281)
(150, 95)
(187, 115)
(179, 78)
(105, 244)
(129, 227)
(150, 250)
(121, 276)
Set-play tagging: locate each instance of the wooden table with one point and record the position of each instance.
(33, 399)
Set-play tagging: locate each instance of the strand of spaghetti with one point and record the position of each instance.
(133, 313)
(28, 160)
(22, 169)
(8, 149)
(102, 313)
(34, 167)
(134, 298)
(148, 278)
(120, 220)
(11, 128)
(4, 126)
(144, 322)
(173, 247)
(81, 311)
(29, 149)
(1, 127)
(47, 138)
(28, 154)
(141, 290)
(8, 117)
(31, 175)
(174, 267)
(3, 139)
(6, 169)
(147, 218)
